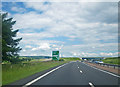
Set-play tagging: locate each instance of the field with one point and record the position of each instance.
(71, 59)
(112, 60)
(13, 72)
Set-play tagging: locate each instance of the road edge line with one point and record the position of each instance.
(31, 82)
(103, 71)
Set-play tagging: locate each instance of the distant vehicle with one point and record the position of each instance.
(101, 62)
(98, 61)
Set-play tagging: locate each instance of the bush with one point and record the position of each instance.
(61, 59)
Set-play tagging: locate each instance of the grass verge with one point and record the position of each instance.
(112, 60)
(71, 59)
(13, 72)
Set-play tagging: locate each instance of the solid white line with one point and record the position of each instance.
(80, 71)
(91, 84)
(103, 71)
(31, 82)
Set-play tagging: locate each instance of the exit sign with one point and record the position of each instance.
(55, 55)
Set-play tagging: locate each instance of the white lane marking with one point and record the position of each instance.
(78, 67)
(91, 84)
(103, 71)
(31, 82)
(81, 71)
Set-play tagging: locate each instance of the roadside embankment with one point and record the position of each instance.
(110, 69)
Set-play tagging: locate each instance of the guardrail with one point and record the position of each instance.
(108, 65)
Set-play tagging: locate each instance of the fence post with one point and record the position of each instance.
(114, 67)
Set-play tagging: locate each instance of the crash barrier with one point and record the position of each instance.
(108, 65)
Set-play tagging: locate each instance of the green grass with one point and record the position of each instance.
(112, 60)
(71, 59)
(13, 72)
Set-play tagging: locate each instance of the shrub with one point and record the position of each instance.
(61, 59)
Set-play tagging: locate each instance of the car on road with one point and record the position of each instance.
(98, 61)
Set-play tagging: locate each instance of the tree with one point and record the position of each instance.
(10, 46)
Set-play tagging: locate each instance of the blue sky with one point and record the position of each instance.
(84, 29)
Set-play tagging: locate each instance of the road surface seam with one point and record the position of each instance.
(31, 82)
(103, 71)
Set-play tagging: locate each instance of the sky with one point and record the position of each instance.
(76, 29)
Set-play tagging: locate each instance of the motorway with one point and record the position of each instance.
(77, 73)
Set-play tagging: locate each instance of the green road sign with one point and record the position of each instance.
(55, 55)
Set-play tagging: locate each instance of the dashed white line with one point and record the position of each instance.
(78, 67)
(91, 84)
(81, 71)
(31, 82)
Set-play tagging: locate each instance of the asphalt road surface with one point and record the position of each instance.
(77, 73)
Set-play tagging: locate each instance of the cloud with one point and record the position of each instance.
(34, 49)
(24, 50)
(61, 0)
(109, 54)
(31, 20)
(44, 46)
(28, 46)
(91, 24)
(91, 50)
(18, 9)
(85, 54)
(41, 6)
(35, 35)
(71, 18)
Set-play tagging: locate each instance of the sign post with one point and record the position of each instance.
(55, 55)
